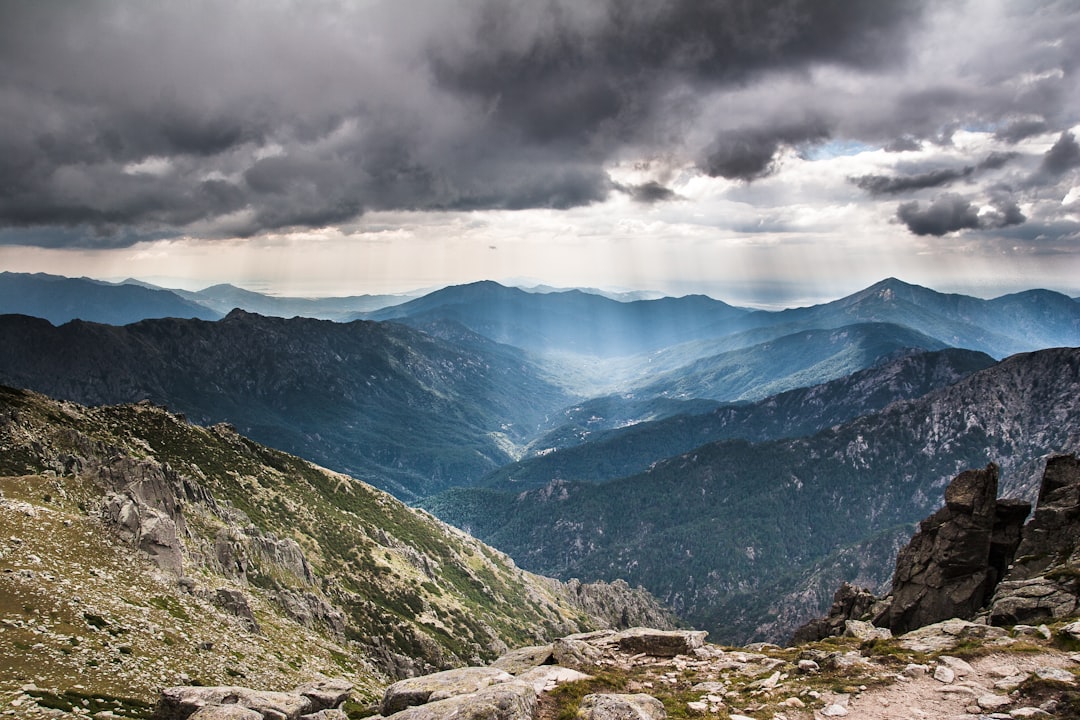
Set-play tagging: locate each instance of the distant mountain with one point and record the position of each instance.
(224, 298)
(152, 548)
(1000, 327)
(408, 411)
(595, 455)
(569, 322)
(801, 359)
(710, 528)
(60, 299)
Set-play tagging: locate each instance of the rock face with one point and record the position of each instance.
(945, 571)
(1044, 580)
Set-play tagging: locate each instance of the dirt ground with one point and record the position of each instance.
(923, 696)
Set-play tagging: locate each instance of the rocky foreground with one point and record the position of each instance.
(951, 669)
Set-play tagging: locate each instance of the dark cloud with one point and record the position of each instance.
(1018, 130)
(941, 177)
(950, 213)
(120, 121)
(749, 154)
(893, 185)
(905, 143)
(1063, 156)
(997, 160)
(648, 193)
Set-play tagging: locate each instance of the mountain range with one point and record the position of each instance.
(735, 516)
(383, 402)
(716, 455)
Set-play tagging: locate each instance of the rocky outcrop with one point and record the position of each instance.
(203, 703)
(1044, 579)
(147, 528)
(850, 603)
(945, 571)
(619, 605)
(976, 559)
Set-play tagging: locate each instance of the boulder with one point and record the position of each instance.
(865, 631)
(621, 707)
(439, 686)
(327, 692)
(523, 659)
(947, 635)
(660, 643)
(503, 701)
(180, 703)
(577, 654)
(149, 529)
(226, 712)
(216, 703)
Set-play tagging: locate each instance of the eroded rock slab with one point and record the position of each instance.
(503, 701)
(660, 643)
(440, 686)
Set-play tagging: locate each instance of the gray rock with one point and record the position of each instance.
(326, 693)
(235, 603)
(439, 686)
(183, 702)
(518, 661)
(150, 530)
(547, 677)
(621, 707)
(1041, 583)
(503, 701)
(850, 602)
(334, 714)
(660, 643)
(577, 654)
(179, 703)
(226, 712)
(947, 635)
(865, 631)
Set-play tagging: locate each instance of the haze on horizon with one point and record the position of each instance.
(772, 153)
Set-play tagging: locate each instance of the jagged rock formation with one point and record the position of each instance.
(975, 558)
(849, 602)
(946, 570)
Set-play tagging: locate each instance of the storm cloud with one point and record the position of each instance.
(121, 121)
(950, 213)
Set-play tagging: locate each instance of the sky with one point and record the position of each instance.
(768, 152)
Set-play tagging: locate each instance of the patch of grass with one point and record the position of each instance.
(170, 605)
(91, 704)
